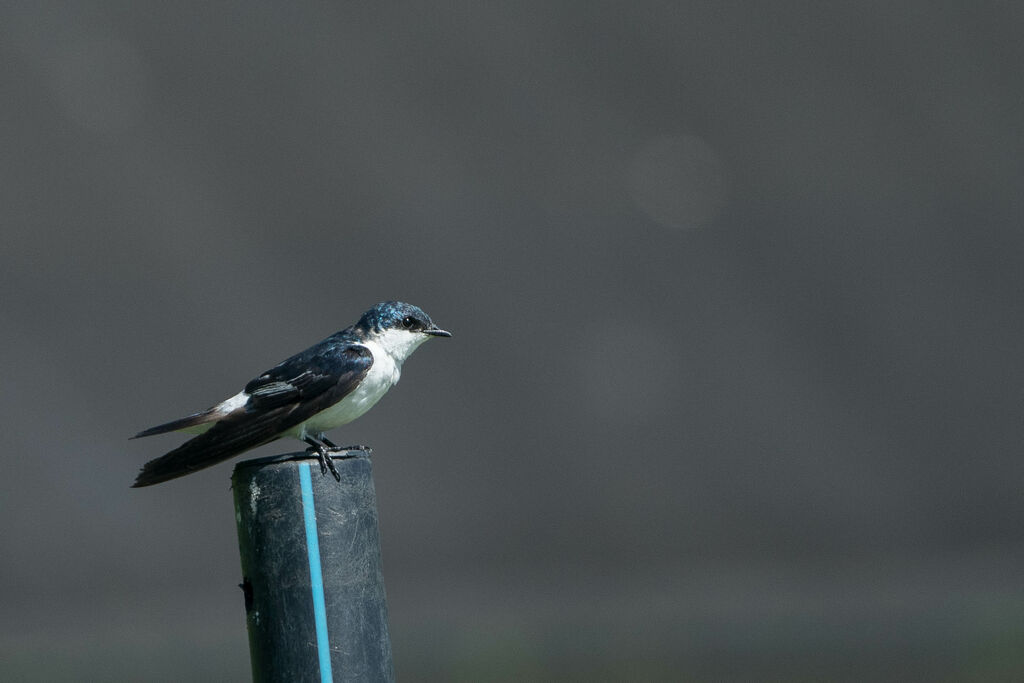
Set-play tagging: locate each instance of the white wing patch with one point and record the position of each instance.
(222, 409)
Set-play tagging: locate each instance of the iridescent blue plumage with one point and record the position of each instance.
(391, 314)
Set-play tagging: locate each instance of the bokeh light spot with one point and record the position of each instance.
(678, 181)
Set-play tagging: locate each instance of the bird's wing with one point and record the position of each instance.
(279, 399)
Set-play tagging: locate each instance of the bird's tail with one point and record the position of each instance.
(228, 437)
(179, 462)
(195, 420)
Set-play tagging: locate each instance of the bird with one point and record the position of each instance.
(329, 384)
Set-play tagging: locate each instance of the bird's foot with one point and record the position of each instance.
(326, 462)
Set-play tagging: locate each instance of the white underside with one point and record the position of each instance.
(383, 375)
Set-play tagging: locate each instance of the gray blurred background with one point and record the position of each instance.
(735, 391)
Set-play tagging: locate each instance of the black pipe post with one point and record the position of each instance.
(314, 592)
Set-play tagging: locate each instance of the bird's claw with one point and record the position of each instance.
(330, 465)
(326, 461)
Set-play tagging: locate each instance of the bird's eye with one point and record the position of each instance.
(408, 322)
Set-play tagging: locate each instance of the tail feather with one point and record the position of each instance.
(194, 454)
(176, 464)
(194, 420)
(234, 434)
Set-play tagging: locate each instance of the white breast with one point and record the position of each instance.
(382, 375)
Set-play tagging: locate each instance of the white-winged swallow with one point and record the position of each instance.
(325, 386)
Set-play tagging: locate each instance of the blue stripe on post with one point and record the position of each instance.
(316, 578)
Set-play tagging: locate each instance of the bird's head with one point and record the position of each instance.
(399, 327)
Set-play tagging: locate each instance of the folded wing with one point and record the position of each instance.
(284, 396)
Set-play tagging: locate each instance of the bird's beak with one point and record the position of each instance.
(437, 332)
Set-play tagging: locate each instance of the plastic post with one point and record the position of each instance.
(314, 592)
